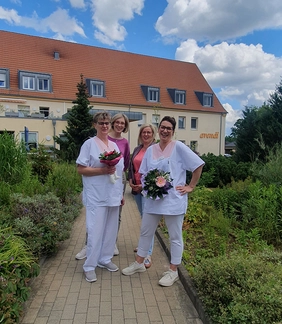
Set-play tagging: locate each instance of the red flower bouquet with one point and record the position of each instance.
(111, 158)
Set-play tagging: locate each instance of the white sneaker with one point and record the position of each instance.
(169, 278)
(82, 254)
(133, 268)
(90, 276)
(109, 266)
(116, 251)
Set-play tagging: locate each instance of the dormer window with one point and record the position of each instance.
(177, 96)
(151, 94)
(206, 99)
(35, 81)
(4, 78)
(96, 88)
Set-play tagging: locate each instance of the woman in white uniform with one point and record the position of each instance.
(101, 197)
(176, 158)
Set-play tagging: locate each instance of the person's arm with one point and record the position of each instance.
(192, 184)
(88, 171)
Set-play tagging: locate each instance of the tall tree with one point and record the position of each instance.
(79, 125)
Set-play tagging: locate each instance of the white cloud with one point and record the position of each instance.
(80, 4)
(11, 16)
(108, 16)
(242, 72)
(232, 116)
(213, 20)
(58, 22)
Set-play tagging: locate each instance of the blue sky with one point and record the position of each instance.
(235, 44)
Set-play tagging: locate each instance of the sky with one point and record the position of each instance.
(236, 44)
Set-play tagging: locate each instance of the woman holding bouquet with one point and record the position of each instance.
(146, 137)
(170, 159)
(119, 125)
(101, 197)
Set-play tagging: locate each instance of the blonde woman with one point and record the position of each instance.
(147, 135)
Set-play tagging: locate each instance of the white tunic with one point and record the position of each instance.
(176, 159)
(99, 190)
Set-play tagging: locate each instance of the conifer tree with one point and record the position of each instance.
(79, 125)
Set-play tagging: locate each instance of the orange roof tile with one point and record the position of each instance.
(123, 72)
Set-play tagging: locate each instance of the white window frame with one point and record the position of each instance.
(25, 110)
(28, 83)
(196, 122)
(180, 97)
(207, 100)
(153, 94)
(181, 122)
(35, 81)
(97, 88)
(4, 78)
(43, 84)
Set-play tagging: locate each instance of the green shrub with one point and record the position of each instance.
(13, 159)
(64, 181)
(17, 266)
(241, 288)
(41, 163)
(42, 221)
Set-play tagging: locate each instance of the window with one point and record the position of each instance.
(35, 81)
(194, 123)
(151, 94)
(96, 88)
(193, 145)
(32, 139)
(24, 111)
(206, 99)
(181, 122)
(4, 78)
(183, 141)
(45, 111)
(177, 96)
(156, 120)
(142, 121)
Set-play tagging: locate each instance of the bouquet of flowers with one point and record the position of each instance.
(111, 158)
(156, 184)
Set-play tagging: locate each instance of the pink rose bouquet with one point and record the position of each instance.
(156, 184)
(111, 158)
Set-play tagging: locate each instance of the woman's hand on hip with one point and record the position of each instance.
(184, 189)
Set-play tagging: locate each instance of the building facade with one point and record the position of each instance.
(38, 83)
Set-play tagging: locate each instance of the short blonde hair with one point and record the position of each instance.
(102, 115)
(154, 131)
(120, 115)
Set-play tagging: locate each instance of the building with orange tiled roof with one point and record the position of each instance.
(39, 77)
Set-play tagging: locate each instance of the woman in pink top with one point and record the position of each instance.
(147, 134)
(119, 125)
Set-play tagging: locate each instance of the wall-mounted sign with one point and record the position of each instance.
(209, 135)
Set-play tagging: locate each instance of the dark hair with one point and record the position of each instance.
(170, 120)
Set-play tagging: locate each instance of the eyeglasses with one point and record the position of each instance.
(120, 123)
(169, 129)
(149, 133)
(103, 123)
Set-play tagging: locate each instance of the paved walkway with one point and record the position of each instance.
(61, 295)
